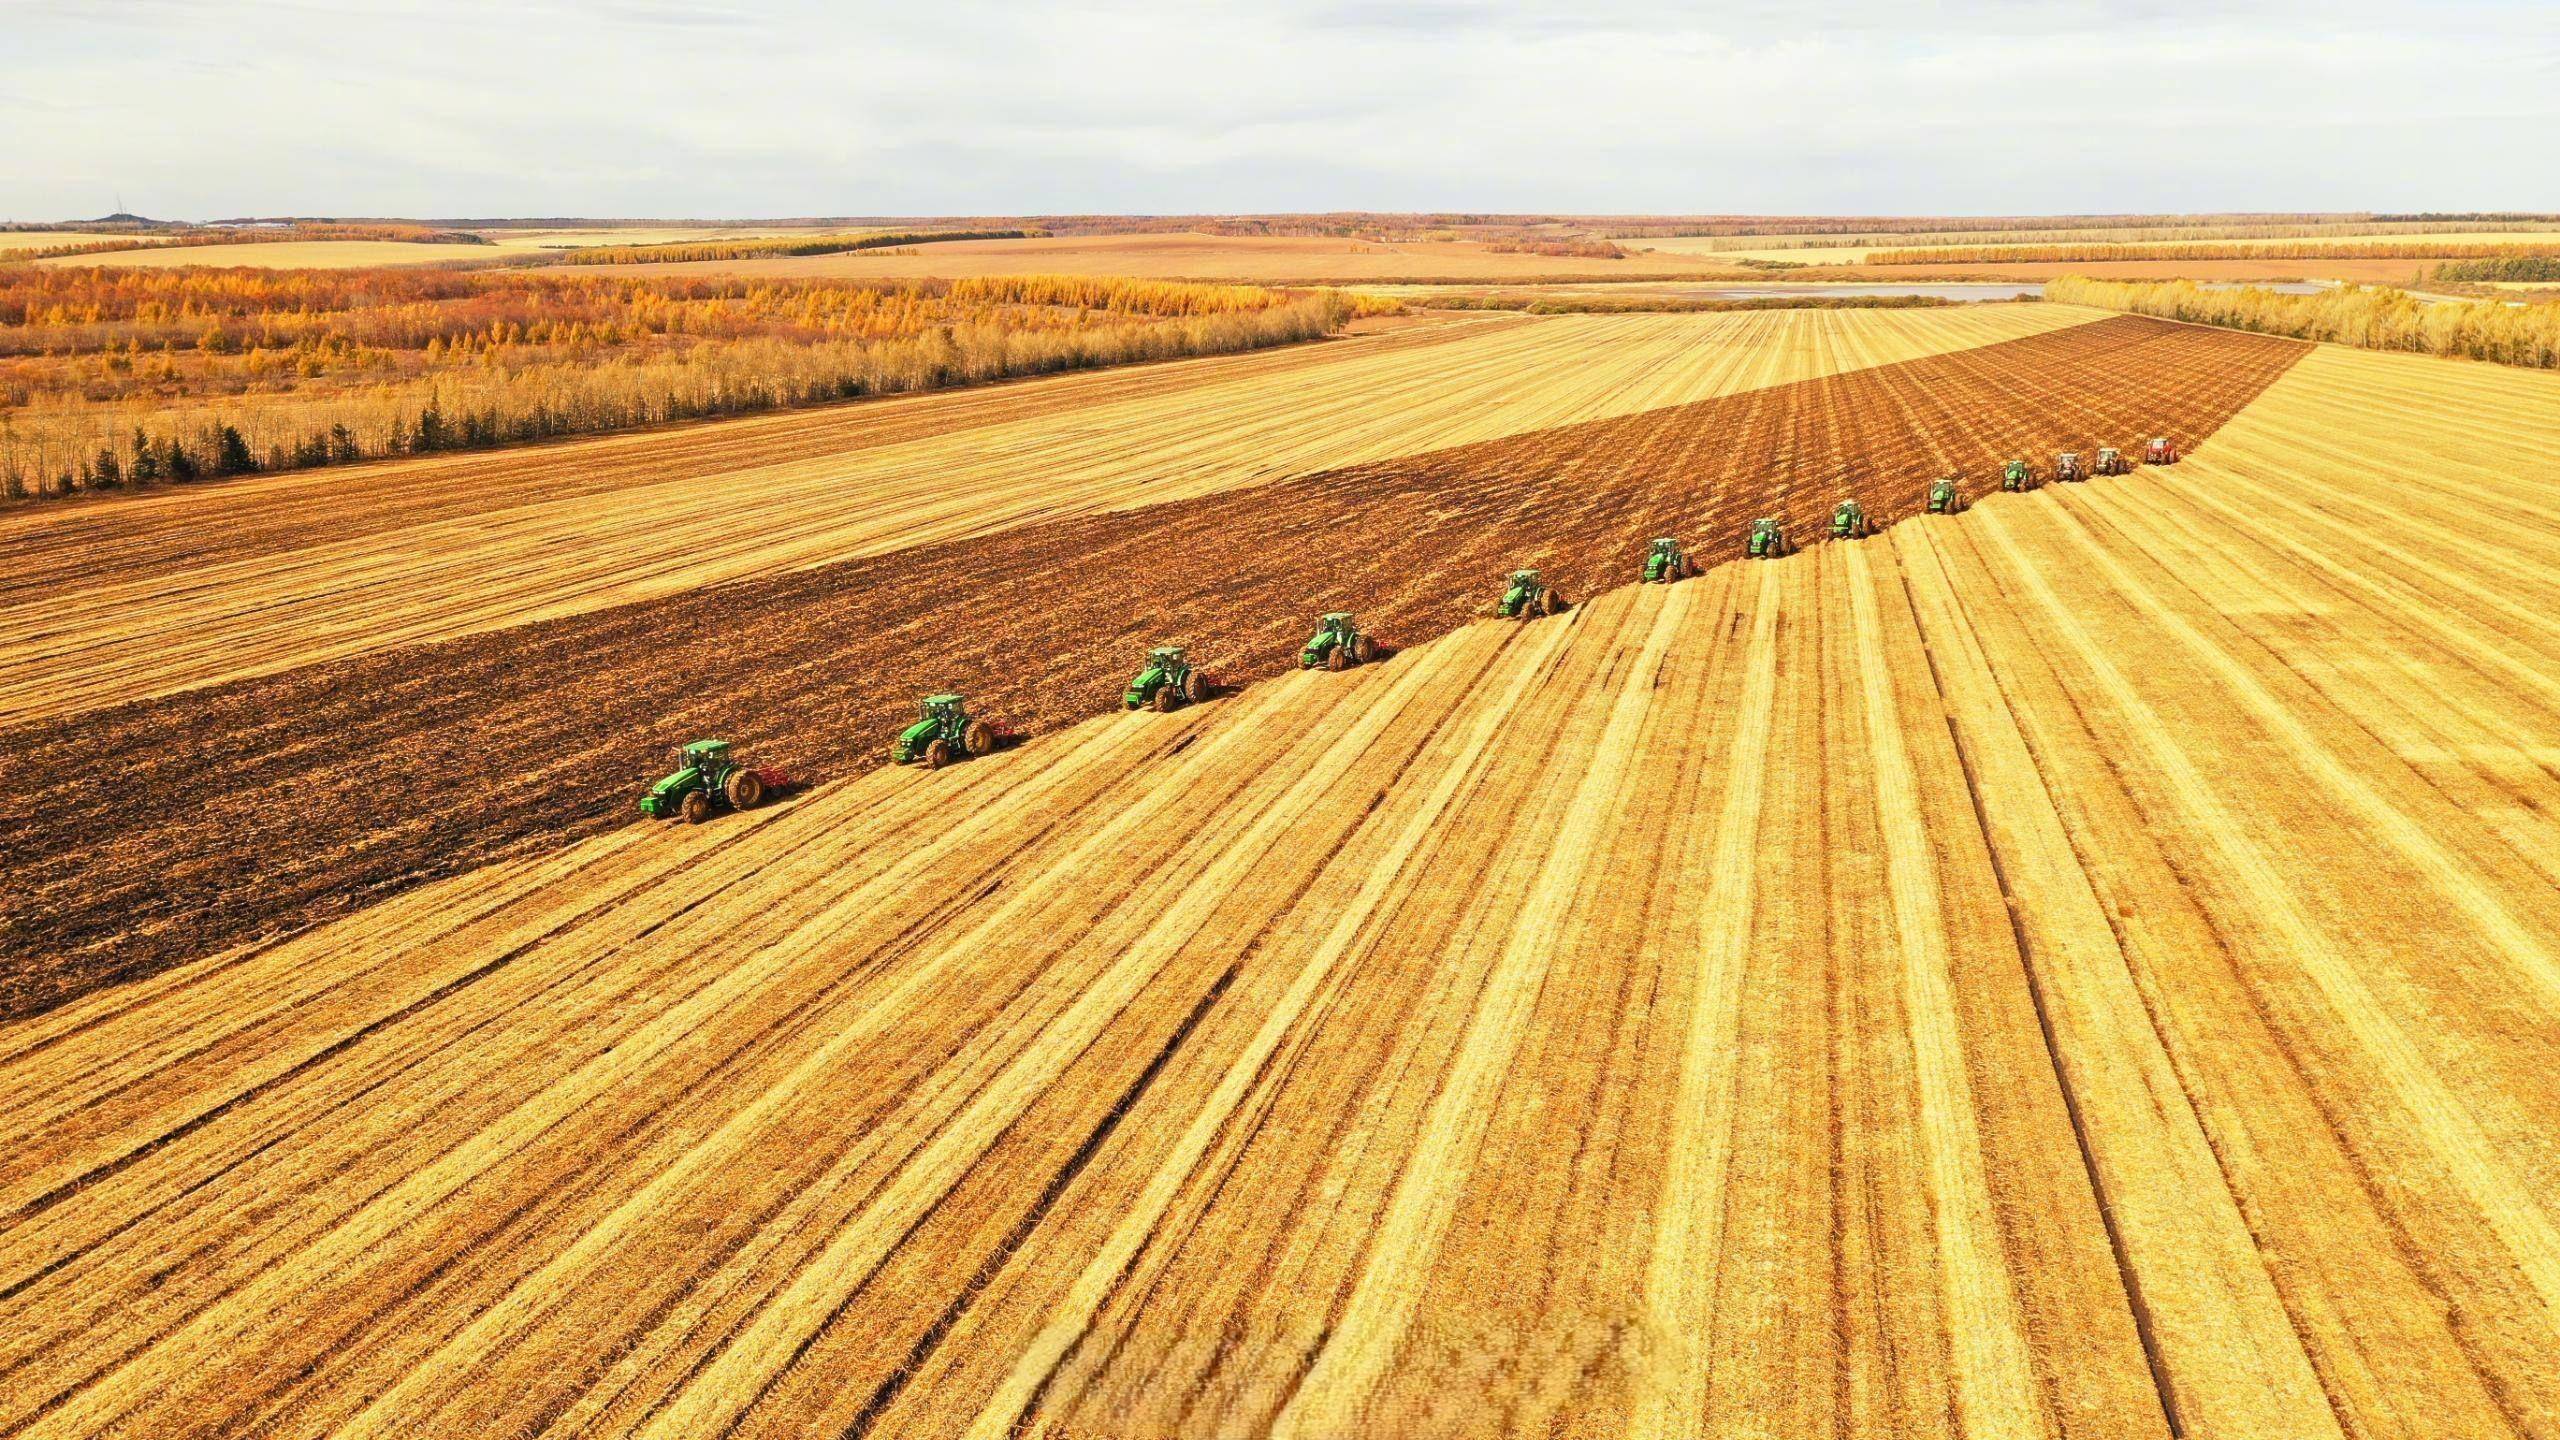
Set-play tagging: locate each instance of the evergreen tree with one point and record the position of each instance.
(231, 453)
(146, 459)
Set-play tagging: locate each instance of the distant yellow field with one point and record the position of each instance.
(51, 239)
(520, 240)
(1252, 259)
(1804, 249)
(289, 255)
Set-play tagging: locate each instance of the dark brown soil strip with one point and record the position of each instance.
(166, 830)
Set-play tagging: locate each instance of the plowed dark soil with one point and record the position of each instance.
(171, 829)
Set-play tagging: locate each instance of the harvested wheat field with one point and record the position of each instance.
(326, 785)
(129, 599)
(2083, 966)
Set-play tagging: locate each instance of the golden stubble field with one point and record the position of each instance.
(2080, 967)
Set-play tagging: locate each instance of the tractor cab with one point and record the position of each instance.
(1848, 520)
(1942, 496)
(2015, 475)
(1666, 561)
(1767, 541)
(704, 755)
(2066, 466)
(942, 718)
(1336, 645)
(1169, 680)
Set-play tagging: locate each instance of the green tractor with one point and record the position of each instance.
(1667, 562)
(706, 778)
(1943, 499)
(945, 733)
(1528, 597)
(2017, 475)
(1168, 683)
(1849, 521)
(2111, 461)
(1338, 644)
(2067, 466)
(1768, 540)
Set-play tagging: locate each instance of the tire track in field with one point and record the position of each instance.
(310, 793)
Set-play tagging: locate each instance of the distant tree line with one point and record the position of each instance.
(2374, 318)
(122, 415)
(2524, 268)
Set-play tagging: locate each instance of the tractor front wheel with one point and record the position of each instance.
(1167, 696)
(1339, 657)
(938, 754)
(696, 807)
(746, 790)
(979, 738)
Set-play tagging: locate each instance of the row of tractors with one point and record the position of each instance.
(708, 778)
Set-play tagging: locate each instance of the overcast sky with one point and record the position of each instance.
(195, 109)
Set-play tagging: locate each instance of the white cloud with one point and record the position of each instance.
(694, 107)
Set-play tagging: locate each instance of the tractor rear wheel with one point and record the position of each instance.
(746, 789)
(937, 755)
(979, 738)
(1363, 650)
(1550, 602)
(1195, 686)
(696, 807)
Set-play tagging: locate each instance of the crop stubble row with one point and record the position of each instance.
(332, 785)
(1693, 1010)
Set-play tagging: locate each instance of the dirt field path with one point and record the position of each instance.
(110, 602)
(2081, 967)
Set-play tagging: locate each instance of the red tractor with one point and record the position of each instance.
(2161, 451)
